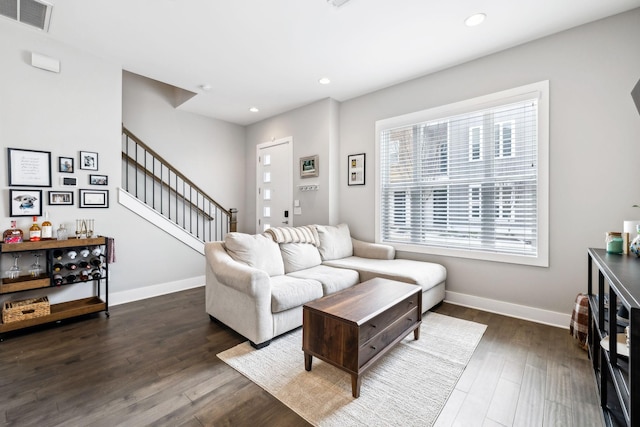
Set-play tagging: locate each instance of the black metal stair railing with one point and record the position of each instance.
(153, 181)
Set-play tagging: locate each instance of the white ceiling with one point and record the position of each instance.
(271, 53)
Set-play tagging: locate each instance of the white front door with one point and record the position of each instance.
(274, 184)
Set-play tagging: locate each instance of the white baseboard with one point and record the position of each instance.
(137, 294)
(552, 318)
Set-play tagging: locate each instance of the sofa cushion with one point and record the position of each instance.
(298, 256)
(332, 279)
(257, 250)
(425, 274)
(290, 292)
(335, 241)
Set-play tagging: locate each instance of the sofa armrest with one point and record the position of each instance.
(372, 250)
(241, 277)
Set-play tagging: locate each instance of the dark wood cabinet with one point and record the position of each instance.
(59, 268)
(618, 285)
(353, 328)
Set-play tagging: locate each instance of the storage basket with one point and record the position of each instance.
(15, 311)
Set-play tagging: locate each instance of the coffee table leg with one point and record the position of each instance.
(355, 385)
(307, 361)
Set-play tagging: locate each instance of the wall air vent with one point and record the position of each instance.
(35, 13)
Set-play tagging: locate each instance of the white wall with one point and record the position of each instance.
(313, 128)
(81, 108)
(206, 150)
(63, 113)
(594, 144)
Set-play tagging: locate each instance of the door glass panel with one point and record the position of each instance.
(267, 159)
(267, 211)
(267, 194)
(267, 177)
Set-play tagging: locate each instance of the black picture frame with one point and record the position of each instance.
(25, 202)
(88, 160)
(28, 168)
(356, 167)
(65, 165)
(98, 180)
(89, 198)
(64, 198)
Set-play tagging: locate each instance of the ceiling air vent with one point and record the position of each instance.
(31, 12)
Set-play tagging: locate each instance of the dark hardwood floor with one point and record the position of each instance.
(153, 362)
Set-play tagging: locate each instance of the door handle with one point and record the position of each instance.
(285, 222)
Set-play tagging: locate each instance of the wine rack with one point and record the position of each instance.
(73, 262)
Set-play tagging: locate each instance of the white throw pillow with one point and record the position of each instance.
(335, 241)
(257, 250)
(298, 256)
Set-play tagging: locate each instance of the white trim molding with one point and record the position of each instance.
(546, 317)
(160, 221)
(137, 294)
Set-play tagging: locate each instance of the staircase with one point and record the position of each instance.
(158, 192)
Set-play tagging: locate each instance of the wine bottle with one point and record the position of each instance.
(13, 234)
(35, 233)
(57, 279)
(47, 228)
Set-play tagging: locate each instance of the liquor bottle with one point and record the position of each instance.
(62, 232)
(13, 234)
(35, 233)
(47, 228)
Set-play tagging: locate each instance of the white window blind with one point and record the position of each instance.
(467, 181)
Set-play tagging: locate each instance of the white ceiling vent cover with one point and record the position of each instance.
(36, 13)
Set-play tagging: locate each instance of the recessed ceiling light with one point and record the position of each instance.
(254, 109)
(324, 81)
(205, 87)
(474, 20)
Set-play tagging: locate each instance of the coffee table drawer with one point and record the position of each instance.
(387, 335)
(381, 321)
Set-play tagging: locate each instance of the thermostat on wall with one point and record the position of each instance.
(69, 181)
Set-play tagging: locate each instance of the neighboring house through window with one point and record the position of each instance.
(468, 179)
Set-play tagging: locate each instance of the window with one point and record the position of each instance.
(468, 179)
(475, 143)
(504, 138)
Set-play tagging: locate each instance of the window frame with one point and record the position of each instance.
(539, 90)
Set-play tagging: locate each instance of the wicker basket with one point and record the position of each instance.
(14, 311)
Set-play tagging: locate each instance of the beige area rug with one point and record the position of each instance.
(407, 387)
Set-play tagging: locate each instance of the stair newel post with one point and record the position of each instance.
(233, 220)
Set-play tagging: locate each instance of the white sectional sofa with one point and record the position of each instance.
(257, 284)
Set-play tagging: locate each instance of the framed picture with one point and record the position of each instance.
(89, 160)
(65, 164)
(356, 169)
(98, 180)
(25, 202)
(29, 168)
(93, 198)
(309, 166)
(61, 197)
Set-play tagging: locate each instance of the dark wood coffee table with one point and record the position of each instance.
(353, 328)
